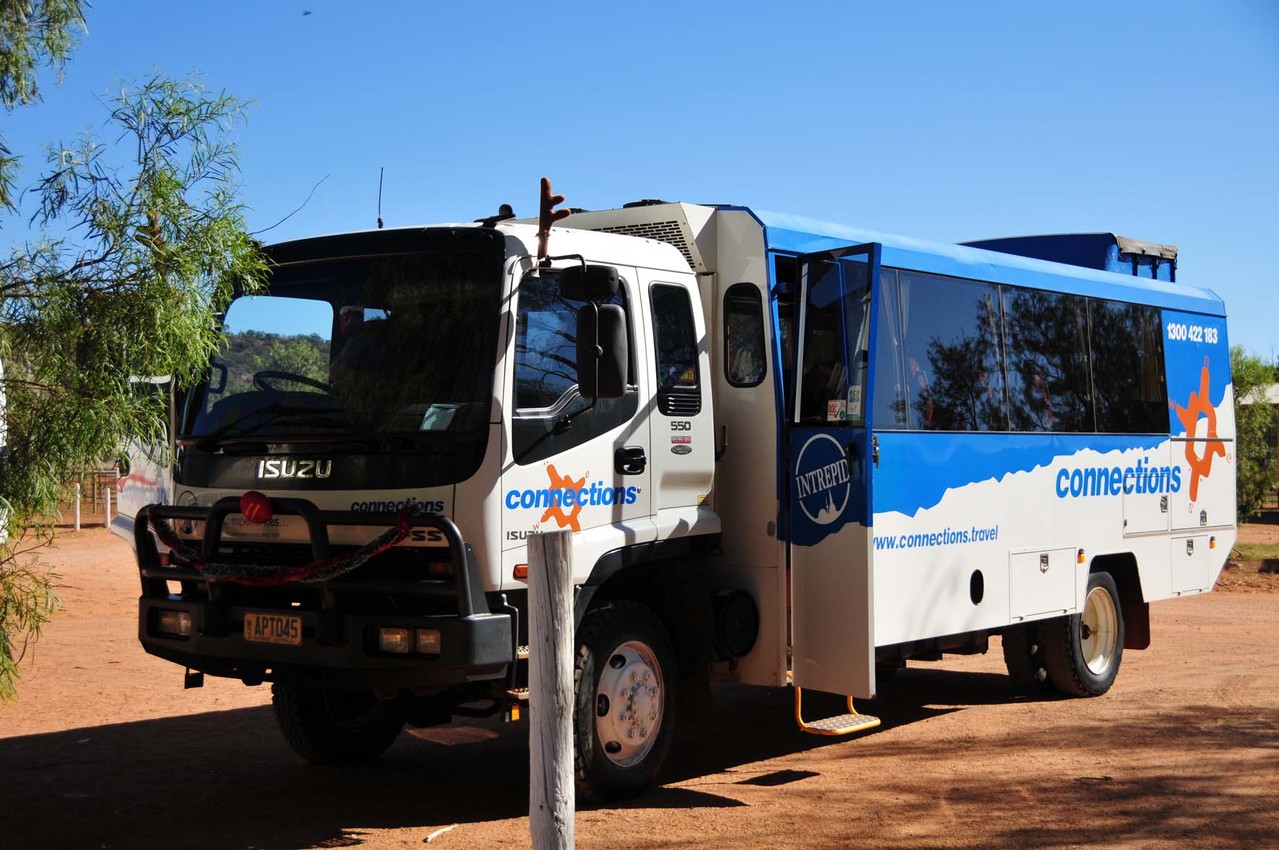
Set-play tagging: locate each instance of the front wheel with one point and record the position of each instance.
(335, 727)
(1082, 652)
(624, 700)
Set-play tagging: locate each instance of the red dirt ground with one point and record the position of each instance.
(103, 749)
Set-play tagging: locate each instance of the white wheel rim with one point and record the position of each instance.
(628, 703)
(1099, 631)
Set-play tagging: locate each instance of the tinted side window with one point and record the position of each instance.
(890, 357)
(1128, 367)
(1046, 342)
(950, 339)
(785, 287)
(678, 381)
(546, 395)
(745, 363)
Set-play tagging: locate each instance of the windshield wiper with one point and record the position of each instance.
(269, 414)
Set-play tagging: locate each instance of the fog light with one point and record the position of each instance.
(173, 623)
(393, 640)
(428, 641)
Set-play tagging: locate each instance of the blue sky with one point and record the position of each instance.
(940, 120)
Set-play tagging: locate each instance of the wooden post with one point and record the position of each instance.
(106, 507)
(77, 506)
(552, 796)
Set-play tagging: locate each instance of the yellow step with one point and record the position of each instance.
(839, 724)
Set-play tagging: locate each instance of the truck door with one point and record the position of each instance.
(574, 464)
(829, 456)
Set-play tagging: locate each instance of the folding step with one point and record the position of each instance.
(840, 724)
(521, 653)
(516, 699)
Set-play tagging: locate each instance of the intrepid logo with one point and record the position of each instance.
(284, 468)
(822, 479)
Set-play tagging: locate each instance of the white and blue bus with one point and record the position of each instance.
(925, 445)
(789, 452)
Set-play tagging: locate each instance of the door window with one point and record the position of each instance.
(551, 414)
(835, 340)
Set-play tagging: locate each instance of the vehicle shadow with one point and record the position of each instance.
(226, 780)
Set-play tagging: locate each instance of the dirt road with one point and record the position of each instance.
(105, 750)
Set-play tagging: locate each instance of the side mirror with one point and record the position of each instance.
(602, 354)
(588, 283)
(217, 377)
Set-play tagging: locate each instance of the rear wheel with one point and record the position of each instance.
(1024, 655)
(336, 727)
(1083, 651)
(624, 700)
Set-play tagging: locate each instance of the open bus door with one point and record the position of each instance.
(830, 455)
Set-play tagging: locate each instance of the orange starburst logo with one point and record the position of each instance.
(1200, 405)
(556, 511)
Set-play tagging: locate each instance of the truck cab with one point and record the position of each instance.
(356, 477)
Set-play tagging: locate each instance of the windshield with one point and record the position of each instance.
(358, 349)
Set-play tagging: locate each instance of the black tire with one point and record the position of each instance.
(624, 698)
(885, 670)
(1024, 656)
(1083, 651)
(336, 727)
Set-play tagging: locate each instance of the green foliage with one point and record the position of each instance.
(27, 600)
(1255, 551)
(300, 355)
(1254, 428)
(32, 33)
(154, 246)
(254, 351)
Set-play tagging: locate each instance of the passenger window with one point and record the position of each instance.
(745, 363)
(546, 396)
(949, 355)
(1047, 351)
(785, 286)
(890, 357)
(1128, 367)
(678, 378)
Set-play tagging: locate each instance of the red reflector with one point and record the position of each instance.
(520, 572)
(256, 507)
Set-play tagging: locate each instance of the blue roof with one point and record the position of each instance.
(789, 233)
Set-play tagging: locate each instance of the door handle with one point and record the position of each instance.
(630, 460)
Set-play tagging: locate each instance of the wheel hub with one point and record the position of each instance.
(628, 713)
(1099, 631)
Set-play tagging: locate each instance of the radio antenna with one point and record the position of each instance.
(380, 172)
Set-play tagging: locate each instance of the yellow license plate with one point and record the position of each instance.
(273, 628)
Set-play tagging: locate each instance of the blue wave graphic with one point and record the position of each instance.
(915, 470)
